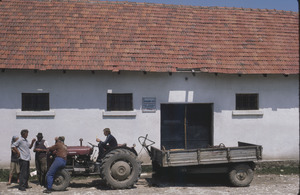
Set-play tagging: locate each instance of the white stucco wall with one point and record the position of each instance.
(78, 100)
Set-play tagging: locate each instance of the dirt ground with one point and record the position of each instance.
(261, 184)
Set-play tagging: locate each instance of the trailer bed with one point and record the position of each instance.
(245, 152)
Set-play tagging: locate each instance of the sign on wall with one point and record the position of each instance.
(149, 104)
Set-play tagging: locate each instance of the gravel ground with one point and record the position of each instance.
(261, 184)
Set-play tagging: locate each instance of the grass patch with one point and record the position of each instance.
(4, 174)
(282, 170)
(146, 168)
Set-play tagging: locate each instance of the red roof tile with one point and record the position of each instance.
(95, 35)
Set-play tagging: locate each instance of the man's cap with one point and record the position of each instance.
(39, 135)
(61, 138)
(13, 139)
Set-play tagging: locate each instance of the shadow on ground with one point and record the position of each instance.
(180, 180)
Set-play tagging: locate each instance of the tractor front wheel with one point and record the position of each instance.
(61, 180)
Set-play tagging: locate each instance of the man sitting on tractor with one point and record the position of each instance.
(109, 143)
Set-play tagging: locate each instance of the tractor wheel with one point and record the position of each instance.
(122, 150)
(241, 175)
(120, 169)
(61, 180)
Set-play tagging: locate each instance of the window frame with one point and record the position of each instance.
(35, 102)
(120, 104)
(243, 101)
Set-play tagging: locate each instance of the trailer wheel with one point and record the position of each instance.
(241, 175)
(61, 180)
(120, 169)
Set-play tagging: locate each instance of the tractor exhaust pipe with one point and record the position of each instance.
(80, 141)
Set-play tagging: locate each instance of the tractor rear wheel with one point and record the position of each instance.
(120, 169)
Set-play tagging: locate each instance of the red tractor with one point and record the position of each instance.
(119, 167)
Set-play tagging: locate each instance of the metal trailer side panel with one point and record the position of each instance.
(238, 154)
(182, 158)
(213, 156)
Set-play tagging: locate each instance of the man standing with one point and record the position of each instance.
(40, 149)
(109, 143)
(14, 162)
(22, 148)
(59, 162)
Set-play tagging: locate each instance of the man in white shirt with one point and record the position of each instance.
(22, 148)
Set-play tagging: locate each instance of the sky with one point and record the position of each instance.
(287, 5)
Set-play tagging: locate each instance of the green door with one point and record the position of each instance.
(186, 126)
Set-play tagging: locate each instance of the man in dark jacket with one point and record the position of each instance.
(109, 143)
(40, 149)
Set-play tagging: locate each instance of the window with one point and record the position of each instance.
(35, 101)
(119, 102)
(246, 101)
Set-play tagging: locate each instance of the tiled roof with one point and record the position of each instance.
(95, 35)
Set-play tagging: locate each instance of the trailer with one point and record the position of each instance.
(238, 162)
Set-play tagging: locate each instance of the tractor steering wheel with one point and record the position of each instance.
(92, 144)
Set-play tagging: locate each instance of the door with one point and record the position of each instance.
(186, 126)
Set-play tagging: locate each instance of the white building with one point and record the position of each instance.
(202, 77)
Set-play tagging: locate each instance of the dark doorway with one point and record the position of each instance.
(186, 126)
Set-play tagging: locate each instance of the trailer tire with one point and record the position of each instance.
(120, 169)
(61, 180)
(240, 175)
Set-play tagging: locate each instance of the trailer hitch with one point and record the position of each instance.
(143, 141)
